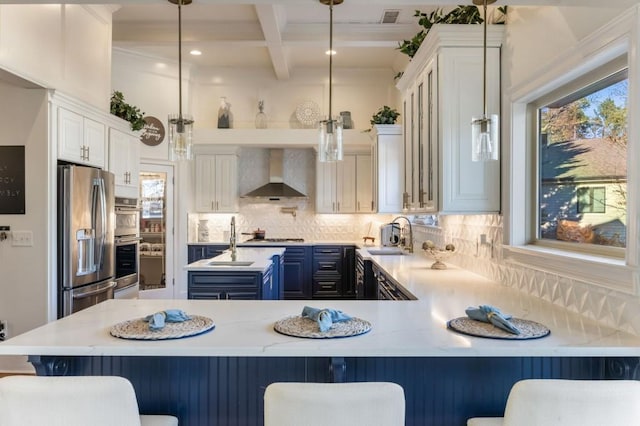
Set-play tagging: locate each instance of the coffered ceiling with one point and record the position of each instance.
(281, 35)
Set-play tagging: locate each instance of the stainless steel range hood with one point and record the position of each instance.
(276, 188)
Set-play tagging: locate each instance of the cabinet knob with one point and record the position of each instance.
(88, 153)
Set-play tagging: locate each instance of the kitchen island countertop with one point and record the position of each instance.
(399, 328)
(256, 259)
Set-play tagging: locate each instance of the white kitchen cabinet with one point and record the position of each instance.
(364, 178)
(442, 89)
(345, 186)
(81, 139)
(216, 182)
(124, 162)
(388, 167)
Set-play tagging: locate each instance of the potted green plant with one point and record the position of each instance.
(131, 113)
(459, 15)
(385, 115)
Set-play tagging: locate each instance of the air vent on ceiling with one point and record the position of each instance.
(390, 16)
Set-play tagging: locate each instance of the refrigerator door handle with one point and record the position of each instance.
(101, 289)
(99, 199)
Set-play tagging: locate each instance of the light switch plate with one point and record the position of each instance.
(22, 238)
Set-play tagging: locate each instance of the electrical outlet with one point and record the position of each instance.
(3, 330)
(22, 238)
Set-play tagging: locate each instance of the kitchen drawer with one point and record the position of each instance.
(327, 251)
(323, 265)
(327, 288)
(327, 260)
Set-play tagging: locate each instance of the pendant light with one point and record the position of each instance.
(484, 130)
(180, 125)
(330, 136)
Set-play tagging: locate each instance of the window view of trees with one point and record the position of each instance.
(582, 181)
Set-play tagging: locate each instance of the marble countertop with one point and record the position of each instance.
(399, 328)
(248, 243)
(257, 259)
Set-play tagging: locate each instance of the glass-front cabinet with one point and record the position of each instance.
(442, 89)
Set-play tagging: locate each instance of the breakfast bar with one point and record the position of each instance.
(218, 377)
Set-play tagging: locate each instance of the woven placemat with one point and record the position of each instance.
(138, 329)
(298, 326)
(528, 329)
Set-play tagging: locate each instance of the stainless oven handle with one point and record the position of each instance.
(110, 285)
(127, 240)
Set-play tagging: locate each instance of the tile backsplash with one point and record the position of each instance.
(293, 218)
(608, 307)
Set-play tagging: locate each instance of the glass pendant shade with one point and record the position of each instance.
(180, 125)
(180, 137)
(485, 142)
(330, 141)
(330, 130)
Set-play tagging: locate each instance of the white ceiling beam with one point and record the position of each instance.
(364, 3)
(267, 16)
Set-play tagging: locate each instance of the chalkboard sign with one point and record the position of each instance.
(12, 180)
(153, 133)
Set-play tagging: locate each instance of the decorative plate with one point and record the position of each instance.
(528, 329)
(308, 113)
(138, 329)
(299, 326)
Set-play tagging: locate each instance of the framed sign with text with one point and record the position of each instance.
(153, 131)
(12, 179)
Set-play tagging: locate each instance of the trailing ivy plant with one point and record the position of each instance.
(127, 112)
(459, 15)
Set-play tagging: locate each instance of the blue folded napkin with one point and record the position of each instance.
(324, 317)
(490, 314)
(156, 321)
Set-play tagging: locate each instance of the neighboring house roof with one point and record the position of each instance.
(584, 160)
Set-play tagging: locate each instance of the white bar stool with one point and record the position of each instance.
(335, 404)
(72, 401)
(551, 402)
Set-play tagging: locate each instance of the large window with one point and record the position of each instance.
(572, 202)
(582, 163)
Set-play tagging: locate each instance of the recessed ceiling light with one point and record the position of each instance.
(330, 52)
(196, 52)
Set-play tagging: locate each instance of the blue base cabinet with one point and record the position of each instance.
(237, 285)
(225, 285)
(297, 272)
(196, 252)
(228, 391)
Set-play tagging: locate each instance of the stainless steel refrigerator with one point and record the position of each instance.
(86, 220)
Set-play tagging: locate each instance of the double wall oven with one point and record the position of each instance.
(127, 246)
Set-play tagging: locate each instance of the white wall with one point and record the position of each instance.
(535, 36)
(360, 91)
(66, 47)
(24, 270)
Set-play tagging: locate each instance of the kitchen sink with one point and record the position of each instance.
(386, 251)
(230, 263)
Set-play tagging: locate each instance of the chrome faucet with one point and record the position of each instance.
(232, 238)
(403, 241)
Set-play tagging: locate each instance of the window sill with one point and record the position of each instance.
(601, 271)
